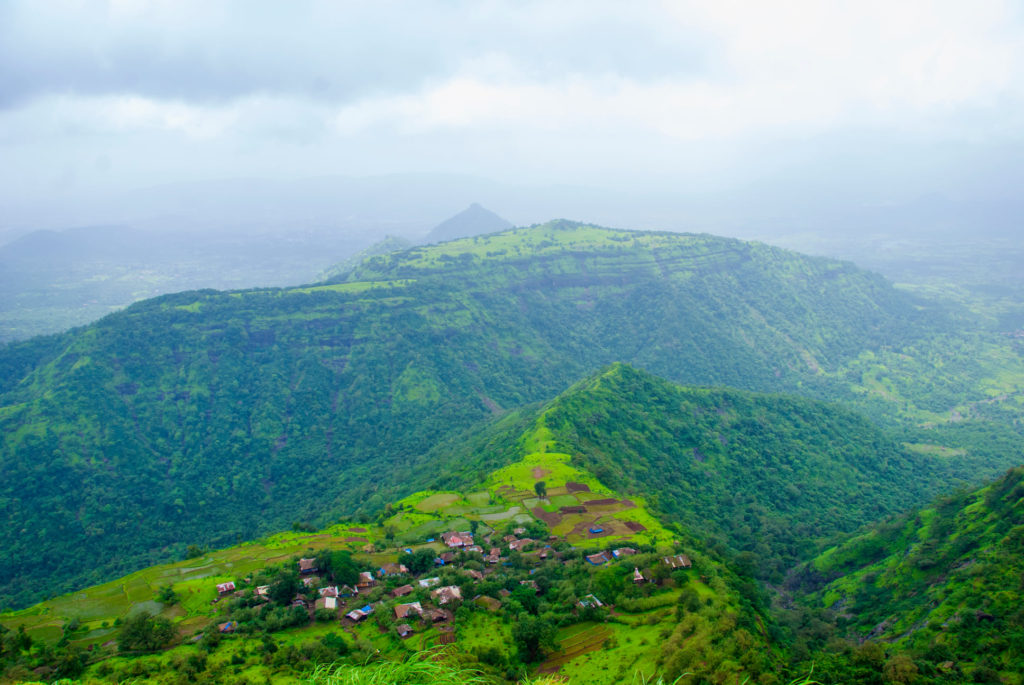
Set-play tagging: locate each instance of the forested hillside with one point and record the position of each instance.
(616, 531)
(942, 585)
(770, 475)
(208, 417)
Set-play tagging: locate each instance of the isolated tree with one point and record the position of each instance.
(339, 565)
(145, 633)
(166, 595)
(532, 635)
(284, 589)
(420, 561)
(541, 488)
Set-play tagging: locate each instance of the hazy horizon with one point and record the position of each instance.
(729, 117)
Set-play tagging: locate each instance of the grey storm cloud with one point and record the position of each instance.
(808, 100)
(334, 52)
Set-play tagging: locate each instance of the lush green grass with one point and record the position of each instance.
(194, 580)
(421, 669)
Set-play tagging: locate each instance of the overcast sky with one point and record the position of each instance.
(895, 100)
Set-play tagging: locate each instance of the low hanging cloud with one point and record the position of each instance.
(331, 51)
(492, 87)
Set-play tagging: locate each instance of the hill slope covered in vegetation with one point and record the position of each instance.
(208, 417)
(476, 578)
(943, 585)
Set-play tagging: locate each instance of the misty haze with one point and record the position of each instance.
(511, 342)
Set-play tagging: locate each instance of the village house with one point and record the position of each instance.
(519, 531)
(228, 627)
(589, 601)
(678, 561)
(307, 566)
(392, 569)
(429, 582)
(404, 630)
(520, 544)
(489, 603)
(331, 591)
(475, 575)
(598, 559)
(262, 590)
(453, 539)
(404, 610)
(438, 615)
(448, 593)
(329, 603)
(402, 591)
(366, 580)
(638, 577)
(623, 552)
(358, 615)
(225, 588)
(530, 584)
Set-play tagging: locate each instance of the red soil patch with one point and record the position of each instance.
(634, 526)
(583, 529)
(601, 502)
(575, 509)
(357, 530)
(539, 472)
(355, 539)
(549, 517)
(576, 487)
